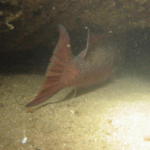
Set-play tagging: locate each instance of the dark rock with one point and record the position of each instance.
(25, 25)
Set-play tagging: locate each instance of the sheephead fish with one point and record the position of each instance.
(93, 65)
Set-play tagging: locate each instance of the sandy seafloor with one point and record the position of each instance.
(115, 116)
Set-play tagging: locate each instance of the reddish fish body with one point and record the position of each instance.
(93, 65)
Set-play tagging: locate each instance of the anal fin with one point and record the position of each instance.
(45, 94)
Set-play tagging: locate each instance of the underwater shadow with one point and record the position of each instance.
(26, 62)
(71, 95)
(137, 54)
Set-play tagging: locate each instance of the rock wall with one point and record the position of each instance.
(25, 25)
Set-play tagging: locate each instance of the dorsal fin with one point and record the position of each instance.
(84, 52)
(91, 43)
(92, 39)
(61, 57)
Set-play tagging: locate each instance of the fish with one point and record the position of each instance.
(92, 66)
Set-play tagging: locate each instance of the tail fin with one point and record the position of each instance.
(61, 57)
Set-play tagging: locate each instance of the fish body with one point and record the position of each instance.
(93, 65)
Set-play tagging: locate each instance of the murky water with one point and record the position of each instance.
(115, 116)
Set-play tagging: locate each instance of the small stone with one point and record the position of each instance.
(24, 140)
(72, 111)
(53, 8)
(68, 45)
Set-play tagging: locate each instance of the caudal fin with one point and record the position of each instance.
(61, 57)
